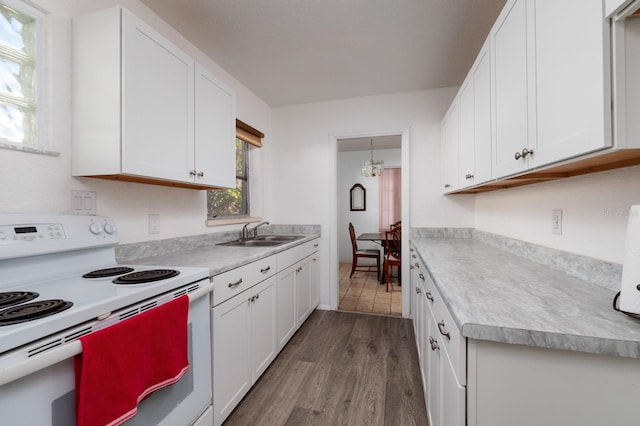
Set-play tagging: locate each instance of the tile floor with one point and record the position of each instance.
(363, 293)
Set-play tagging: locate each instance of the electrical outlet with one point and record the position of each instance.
(154, 224)
(556, 222)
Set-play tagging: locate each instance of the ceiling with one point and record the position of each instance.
(298, 51)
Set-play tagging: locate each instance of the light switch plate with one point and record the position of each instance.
(154, 223)
(83, 202)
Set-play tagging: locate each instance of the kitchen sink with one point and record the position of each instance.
(262, 241)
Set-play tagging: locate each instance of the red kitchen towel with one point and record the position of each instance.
(122, 364)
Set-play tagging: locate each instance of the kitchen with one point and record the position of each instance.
(595, 206)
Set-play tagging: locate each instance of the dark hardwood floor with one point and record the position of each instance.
(340, 368)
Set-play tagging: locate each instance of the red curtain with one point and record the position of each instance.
(389, 204)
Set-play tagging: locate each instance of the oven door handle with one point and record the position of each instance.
(20, 369)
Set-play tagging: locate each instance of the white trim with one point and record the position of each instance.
(333, 231)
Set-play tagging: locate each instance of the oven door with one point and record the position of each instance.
(47, 397)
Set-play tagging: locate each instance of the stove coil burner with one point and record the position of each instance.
(32, 311)
(108, 272)
(14, 297)
(142, 277)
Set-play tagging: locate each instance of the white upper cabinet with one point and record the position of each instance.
(215, 129)
(573, 104)
(511, 91)
(475, 123)
(157, 104)
(450, 133)
(144, 110)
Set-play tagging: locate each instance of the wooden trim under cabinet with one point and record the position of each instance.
(593, 164)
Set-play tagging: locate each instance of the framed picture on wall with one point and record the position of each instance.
(358, 198)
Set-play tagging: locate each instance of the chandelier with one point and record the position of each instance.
(372, 168)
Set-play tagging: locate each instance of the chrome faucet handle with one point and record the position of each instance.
(245, 231)
(255, 229)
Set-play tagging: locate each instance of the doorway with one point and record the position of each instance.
(363, 292)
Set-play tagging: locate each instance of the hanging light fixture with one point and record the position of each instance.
(372, 168)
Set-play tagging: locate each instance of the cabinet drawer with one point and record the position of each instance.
(294, 254)
(235, 281)
(452, 340)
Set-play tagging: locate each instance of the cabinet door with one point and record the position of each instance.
(231, 354)
(570, 80)
(467, 150)
(481, 75)
(314, 288)
(263, 326)
(215, 146)
(449, 147)
(433, 374)
(286, 316)
(157, 104)
(453, 395)
(303, 288)
(510, 88)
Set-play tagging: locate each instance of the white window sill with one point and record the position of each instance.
(232, 221)
(27, 148)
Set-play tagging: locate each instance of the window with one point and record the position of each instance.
(18, 89)
(224, 203)
(234, 203)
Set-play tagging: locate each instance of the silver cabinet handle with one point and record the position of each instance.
(446, 185)
(418, 291)
(526, 152)
(265, 270)
(517, 155)
(316, 245)
(192, 173)
(421, 276)
(443, 331)
(236, 284)
(416, 265)
(254, 298)
(434, 343)
(200, 174)
(429, 296)
(469, 176)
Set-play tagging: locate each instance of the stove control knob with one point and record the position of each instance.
(95, 228)
(109, 228)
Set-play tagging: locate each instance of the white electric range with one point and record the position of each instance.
(59, 280)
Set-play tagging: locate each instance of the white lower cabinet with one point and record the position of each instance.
(244, 331)
(257, 308)
(441, 351)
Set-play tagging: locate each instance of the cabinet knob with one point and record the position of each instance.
(200, 174)
(429, 296)
(418, 291)
(421, 276)
(446, 185)
(526, 152)
(192, 173)
(468, 176)
(517, 155)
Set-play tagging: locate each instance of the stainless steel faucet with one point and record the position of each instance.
(255, 229)
(246, 231)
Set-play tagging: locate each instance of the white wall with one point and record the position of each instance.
(594, 207)
(299, 184)
(348, 172)
(38, 183)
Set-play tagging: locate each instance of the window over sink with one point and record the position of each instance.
(225, 205)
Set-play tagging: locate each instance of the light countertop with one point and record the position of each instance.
(498, 296)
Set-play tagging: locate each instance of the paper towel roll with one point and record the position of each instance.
(629, 293)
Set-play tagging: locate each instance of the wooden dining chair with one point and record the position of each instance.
(392, 254)
(358, 254)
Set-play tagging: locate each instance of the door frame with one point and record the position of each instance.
(405, 136)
